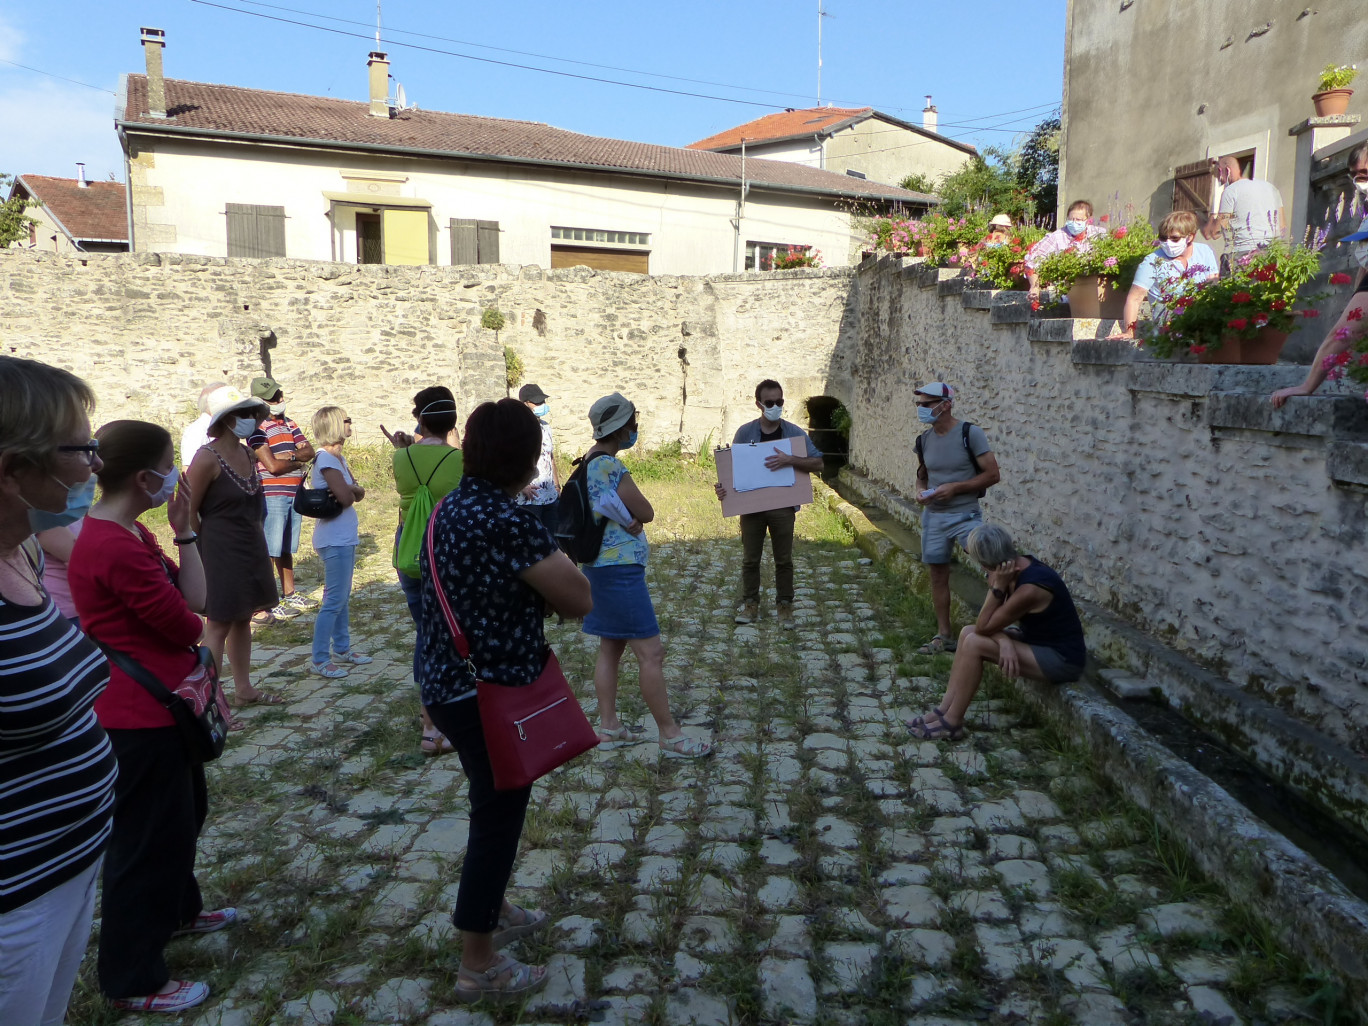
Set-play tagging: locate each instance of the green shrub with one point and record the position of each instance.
(513, 368)
(493, 319)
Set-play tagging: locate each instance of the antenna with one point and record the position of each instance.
(821, 13)
(377, 24)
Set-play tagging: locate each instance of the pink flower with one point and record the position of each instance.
(1110, 262)
(1343, 333)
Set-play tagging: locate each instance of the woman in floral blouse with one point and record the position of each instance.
(502, 573)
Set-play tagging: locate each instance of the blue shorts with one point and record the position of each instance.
(280, 517)
(941, 531)
(622, 605)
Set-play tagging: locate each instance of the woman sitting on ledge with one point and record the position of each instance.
(1048, 645)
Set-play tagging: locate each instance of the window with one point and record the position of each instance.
(370, 247)
(474, 242)
(255, 231)
(599, 235)
(856, 174)
(760, 255)
(606, 250)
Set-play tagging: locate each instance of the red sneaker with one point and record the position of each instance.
(186, 994)
(208, 922)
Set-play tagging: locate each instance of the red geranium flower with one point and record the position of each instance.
(1238, 323)
(1279, 304)
(1241, 297)
(1339, 278)
(1105, 218)
(1197, 349)
(1355, 314)
(1119, 233)
(1310, 313)
(1035, 305)
(1264, 274)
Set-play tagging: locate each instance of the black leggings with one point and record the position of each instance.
(496, 820)
(150, 890)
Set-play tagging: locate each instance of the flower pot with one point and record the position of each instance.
(1331, 102)
(1094, 296)
(1261, 350)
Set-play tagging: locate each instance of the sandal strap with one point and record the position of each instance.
(685, 744)
(519, 975)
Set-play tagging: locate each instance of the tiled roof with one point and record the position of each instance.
(786, 124)
(195, 107)
(99, 211)
(795, 124)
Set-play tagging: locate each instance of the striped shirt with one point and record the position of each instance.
(284, 437)
(57, 769)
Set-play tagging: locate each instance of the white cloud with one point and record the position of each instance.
(48, 126)
(11, 40)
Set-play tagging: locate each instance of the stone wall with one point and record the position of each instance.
(148, 330)
(1171, 495)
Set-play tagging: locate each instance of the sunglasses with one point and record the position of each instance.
(1173, 238)
(346, 420)
(930, 403)
(91, 449)
(770, 404)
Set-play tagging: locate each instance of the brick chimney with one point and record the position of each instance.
(929, 116)
(153, 40)
(378, 63)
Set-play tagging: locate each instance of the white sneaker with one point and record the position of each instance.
(354, 657)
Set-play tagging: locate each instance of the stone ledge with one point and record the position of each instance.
(1196, 380)
(1104, 352)
(1325, 416)
(1330, 121)
(1347, 462)
(1070, 329)
(1011, 312)
(1319, 918)
(953, 287)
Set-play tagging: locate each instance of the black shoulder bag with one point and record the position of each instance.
(197, 704)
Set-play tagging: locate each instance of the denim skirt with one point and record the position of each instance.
(622, 605)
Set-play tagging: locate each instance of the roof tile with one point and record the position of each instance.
(99, 211)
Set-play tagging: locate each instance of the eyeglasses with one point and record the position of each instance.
(932, 402)
(91, 450)
(346, 420)
(1173, 238)
(770, 404)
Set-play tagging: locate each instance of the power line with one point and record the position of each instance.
(40, 71)
(566, 60)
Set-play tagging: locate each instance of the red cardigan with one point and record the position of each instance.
(126, 595)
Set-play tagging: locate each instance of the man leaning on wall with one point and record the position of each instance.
(770, 427)
(955, 466)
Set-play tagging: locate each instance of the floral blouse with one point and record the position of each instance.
(481, 541)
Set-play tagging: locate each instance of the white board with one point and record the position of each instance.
(748, 466)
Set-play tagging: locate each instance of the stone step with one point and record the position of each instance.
(1124, 684)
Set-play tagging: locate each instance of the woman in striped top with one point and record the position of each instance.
(57, 770)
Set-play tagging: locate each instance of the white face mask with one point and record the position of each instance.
(1075, 228)
(277, 410)
(1174, 249)
(168, 486)
(1362, 187)
(244, 427)
(773, 413)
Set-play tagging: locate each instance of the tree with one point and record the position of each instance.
(986, 183)
(1037, 167)
(14, 223)
(918, 182)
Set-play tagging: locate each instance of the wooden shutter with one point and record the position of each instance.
(465, 247)
(406, 236)
(487, 233)
(601, 259)
(1193, 188)
(255, 231)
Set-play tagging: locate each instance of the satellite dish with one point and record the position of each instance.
(400, 99)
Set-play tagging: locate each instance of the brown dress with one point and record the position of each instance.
(232, 544)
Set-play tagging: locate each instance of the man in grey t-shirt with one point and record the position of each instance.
(1249, 216)
(948, 486)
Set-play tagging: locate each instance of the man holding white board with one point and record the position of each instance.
(781, 465)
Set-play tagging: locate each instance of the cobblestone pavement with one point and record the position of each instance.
(821, 868)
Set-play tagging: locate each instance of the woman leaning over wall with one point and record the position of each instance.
(57, 769)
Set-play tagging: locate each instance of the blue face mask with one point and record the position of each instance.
(631, 440)
(926, 414)
(1075, 228)
(80, 497)
(542, 410)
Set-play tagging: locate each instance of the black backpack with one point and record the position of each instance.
(964, 437)
(579, 533)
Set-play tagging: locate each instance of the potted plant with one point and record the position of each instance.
(796, 256)
(1098, 277)
(1005, 266)
(1244, 318)
(1333, 95)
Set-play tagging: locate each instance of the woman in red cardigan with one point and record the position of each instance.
(133, 599)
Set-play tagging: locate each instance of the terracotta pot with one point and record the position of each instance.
(1096, 297)
(1262, 350)
(1331, 102)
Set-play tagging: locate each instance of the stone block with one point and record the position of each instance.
(787, 992)
(1340, 417)
(1123, 684)
(1347, 462)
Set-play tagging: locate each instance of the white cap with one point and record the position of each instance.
(937, 389)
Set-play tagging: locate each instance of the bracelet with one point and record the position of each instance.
(188, 541)
(999, 594)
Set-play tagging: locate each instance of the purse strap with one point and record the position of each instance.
(458, 638)
(141, 674)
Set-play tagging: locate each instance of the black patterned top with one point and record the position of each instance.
(482, 539)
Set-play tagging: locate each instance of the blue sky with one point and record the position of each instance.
(994, 67)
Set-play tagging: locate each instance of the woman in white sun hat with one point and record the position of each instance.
(227, 510)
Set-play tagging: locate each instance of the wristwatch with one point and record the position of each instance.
(194, 537)
(999, 594)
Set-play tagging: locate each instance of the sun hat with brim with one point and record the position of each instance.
(226, 400)
(610, 413)
(937, 390)
(1000, 221)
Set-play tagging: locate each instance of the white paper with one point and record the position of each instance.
(748, 466)
(610, 506)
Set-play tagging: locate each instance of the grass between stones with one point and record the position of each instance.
(822, 867)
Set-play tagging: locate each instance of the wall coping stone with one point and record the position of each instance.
(1201, 379)
(1347, 462)
(1339, 417)
(953, 287)
(1104, 352)
(1329, 121)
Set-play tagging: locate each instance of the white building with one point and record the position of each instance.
(226, 171)
(859, 142)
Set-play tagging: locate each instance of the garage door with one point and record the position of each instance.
(600, 259)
